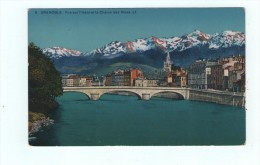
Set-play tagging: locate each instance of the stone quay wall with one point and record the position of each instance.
(219, 97)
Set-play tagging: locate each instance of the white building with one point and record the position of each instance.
(199, 74)
(143, 82)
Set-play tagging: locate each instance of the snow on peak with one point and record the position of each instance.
(112, 49)
(199, 35)
(227, 39)
(58, 52)
(229, 32)
(141, 45)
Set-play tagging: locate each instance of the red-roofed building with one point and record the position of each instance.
(131, 75)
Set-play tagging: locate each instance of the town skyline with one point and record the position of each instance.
(223, 74)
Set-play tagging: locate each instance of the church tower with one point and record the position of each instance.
(167, 65)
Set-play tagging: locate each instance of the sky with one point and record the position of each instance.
(88, 29)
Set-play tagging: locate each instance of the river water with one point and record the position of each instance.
(125, 120)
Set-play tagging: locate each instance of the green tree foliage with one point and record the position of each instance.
(44, 81)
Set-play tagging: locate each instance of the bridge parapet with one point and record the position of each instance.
(144, 93)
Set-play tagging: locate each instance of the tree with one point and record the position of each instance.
(44, 81)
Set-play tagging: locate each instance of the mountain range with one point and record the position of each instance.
(148, 52)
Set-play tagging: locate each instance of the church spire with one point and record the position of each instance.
(168, 59)
(167, 65)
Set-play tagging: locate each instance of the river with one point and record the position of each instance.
(125, 120)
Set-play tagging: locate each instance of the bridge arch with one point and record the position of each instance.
(122, 91)
(169, 94)
(86, 94)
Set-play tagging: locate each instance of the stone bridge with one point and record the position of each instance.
(144, 93)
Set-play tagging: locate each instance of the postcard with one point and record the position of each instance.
(136, 77)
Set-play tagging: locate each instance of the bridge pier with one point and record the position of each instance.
(94, 96)
(145, 96)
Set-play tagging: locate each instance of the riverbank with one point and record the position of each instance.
(39, 111)
(218, 97)
(37, 121)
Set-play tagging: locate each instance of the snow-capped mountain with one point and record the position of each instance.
(110, 50)
(195, 39)
(58, 52)
(148, 52)
(227, 39)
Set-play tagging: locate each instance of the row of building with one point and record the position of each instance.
(131, 77)
(116, 78)
(73, 80)
(219, 74)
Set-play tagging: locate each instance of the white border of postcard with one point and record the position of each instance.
(14, 137)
